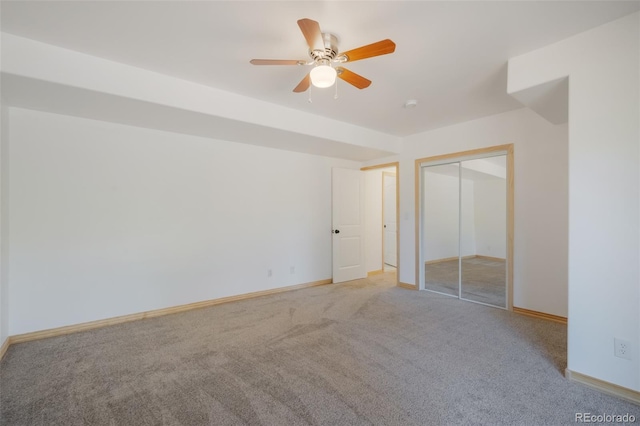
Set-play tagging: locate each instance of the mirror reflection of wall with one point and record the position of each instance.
(464, 229)
(441, 243)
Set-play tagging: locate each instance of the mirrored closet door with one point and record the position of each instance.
(464, 229)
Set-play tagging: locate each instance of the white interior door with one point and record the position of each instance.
(347, 233)
(389, 218)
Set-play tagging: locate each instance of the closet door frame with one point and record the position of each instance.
(463, 156)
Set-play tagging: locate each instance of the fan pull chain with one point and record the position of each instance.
(310, 101)
(336, 95)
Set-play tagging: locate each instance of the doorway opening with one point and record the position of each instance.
(382, 189)
(464, 223)
(389, 222)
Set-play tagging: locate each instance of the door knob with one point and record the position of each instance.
(336, 231)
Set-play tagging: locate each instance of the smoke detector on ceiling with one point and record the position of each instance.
(411, 103)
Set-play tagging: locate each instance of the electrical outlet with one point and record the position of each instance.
(622, 348)
(292, 270)
(269, 273)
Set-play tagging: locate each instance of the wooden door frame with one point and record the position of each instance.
(469, 155)
(395, 164)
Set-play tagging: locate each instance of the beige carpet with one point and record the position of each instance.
(483, 280)
(359, 353)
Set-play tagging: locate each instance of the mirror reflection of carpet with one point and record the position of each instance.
(483, 280)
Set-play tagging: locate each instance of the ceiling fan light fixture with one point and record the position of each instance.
(323, 76)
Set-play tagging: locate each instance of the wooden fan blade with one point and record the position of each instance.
(274, 62)
(374, 49)
(303, 85)
(311, 31)
(352, 78)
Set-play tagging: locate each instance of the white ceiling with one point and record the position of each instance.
(450, 56)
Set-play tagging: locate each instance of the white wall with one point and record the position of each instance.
(4, 172)
(540, 156)
(4, 264)
(603, 66)
(490, 209)
(109, 220)
(4, 139)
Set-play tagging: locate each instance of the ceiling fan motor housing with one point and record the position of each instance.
(330, 49)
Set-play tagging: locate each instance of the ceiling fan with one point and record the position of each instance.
(323, 51)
